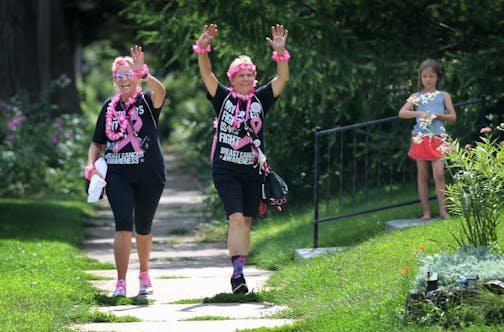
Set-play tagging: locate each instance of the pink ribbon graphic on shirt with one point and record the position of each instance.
(131, 137)
(256, 125)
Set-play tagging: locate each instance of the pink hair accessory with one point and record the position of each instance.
(241, 67)
(200, 50)
(118, 62)
(281, 58)
(142, 73)
(88, 171)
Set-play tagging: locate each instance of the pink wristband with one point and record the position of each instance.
(200, 50)
(281, 58)
(142, 73)
(88, 171)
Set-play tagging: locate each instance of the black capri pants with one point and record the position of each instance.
(239, 191)
(133, 203)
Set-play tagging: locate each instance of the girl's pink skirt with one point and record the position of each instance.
(427, 150)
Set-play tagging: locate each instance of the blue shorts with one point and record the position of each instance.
(240, 192)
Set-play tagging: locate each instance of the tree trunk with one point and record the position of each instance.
(35, 51)
(18, 65)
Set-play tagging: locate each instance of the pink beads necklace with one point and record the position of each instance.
(121, 117)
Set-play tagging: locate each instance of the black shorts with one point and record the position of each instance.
(239, 191)
(133, 203)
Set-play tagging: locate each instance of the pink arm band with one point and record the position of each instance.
(200, 50)
(88, 171)
(142, 73)
(281, 58)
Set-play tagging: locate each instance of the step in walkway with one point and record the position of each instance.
(181, 269)
(390, 226)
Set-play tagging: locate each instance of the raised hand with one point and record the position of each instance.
(209, 33)
(278, 37)
(138, 57)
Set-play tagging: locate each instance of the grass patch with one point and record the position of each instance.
(107, 301)
(43, 286)
(361, 288)
(178, 231)
(188, 301)
(225, 298)
(173, 241)
(233, 298)
(214, 231)
(97, 316)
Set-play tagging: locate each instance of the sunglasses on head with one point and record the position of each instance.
(120, 75)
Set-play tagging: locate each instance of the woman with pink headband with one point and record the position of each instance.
(126, 129)
(236, 154)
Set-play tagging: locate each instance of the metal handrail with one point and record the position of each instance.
(319, 133)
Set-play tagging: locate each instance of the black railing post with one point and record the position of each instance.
(483, 114)
(316, 178)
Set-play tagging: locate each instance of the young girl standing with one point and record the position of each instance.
(431, 108)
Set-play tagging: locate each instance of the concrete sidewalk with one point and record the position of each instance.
(181, 269)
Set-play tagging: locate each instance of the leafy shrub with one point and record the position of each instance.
(476, 191)
(452, 305)
(40, 155)
(450, 267)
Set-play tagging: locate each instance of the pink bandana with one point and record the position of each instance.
(242, 66)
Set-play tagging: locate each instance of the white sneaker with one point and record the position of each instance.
(145, 287)
(120, 290)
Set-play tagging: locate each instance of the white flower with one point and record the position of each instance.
(417, 139)
(414, 100)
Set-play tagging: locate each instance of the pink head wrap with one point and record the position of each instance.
(120, 61)
(232, 71)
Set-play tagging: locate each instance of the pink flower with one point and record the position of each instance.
(485, 130)
(468, 147)
(16, 121)
(501, 143)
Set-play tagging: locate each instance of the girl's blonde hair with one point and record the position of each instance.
(435, 66)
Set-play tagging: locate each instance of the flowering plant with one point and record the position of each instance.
(476, 191)
(40, 154)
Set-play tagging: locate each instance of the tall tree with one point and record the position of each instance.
(352, 60)
(41, 40)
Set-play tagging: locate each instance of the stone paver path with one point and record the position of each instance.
(181, 268)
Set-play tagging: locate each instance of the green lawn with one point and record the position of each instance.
(42, 283)
(360, 289)
(43, 286)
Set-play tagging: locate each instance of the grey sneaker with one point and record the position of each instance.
(120, 290)
(145, 287)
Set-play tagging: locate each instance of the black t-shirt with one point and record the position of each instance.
(231, 149)
(136, 157)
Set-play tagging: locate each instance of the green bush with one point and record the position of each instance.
(451, 267)
(476, 191)
(40, 155)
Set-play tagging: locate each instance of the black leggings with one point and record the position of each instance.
(126, 199)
